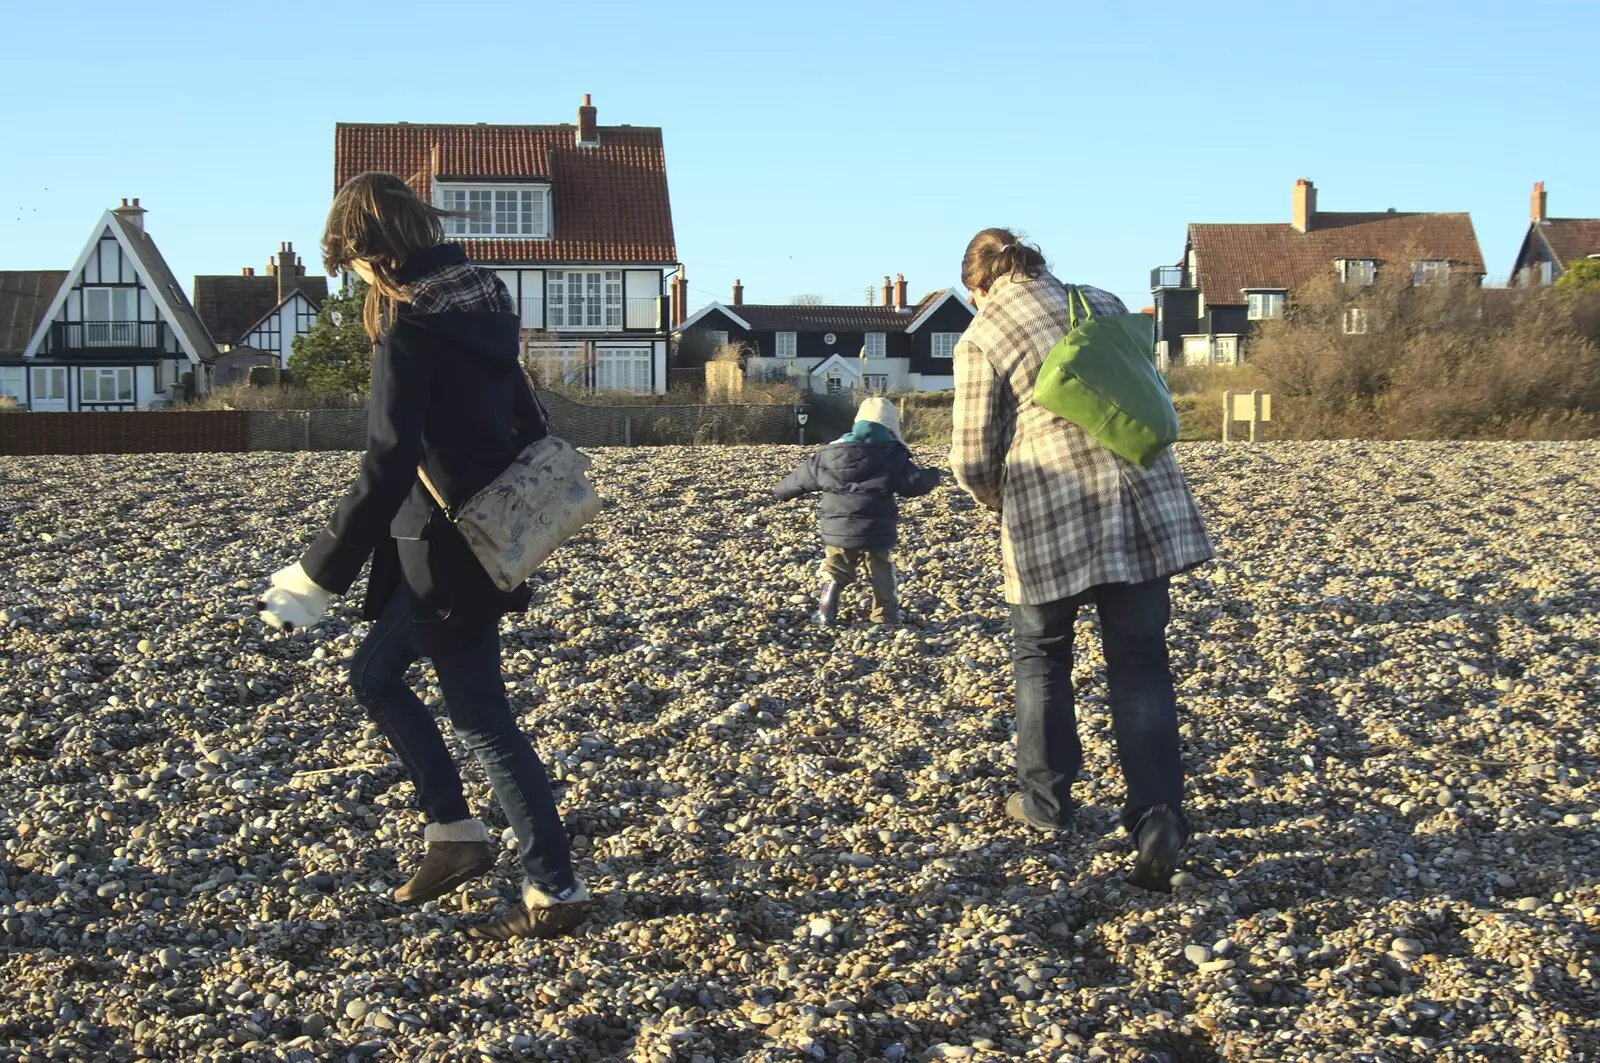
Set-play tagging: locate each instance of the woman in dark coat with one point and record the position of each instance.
(448, 397)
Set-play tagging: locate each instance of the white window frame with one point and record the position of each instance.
(834, 382)
(1354, 321)
(1263, 305)
(1430, 271)
(1196, 350)
(118, 375)
(786, 344)
(718, 338)
(495, 211)
(875, 383)
(108, 334)
(569, 360)
(877, 344)
(1362, 271)
(594, 296)
(943, 344)
(18, 391)
(624, 369)
(1547, 273)
(1225, 350)
(50, 383)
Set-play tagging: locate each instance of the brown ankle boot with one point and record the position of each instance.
(540, 915)
(457, 852)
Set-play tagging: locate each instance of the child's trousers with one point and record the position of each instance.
(840, 566)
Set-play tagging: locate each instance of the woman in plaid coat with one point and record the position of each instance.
(1078, 525)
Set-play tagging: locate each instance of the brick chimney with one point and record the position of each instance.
(680, 297)
(1541, 203)
(1305, 205)
(131, 213)
(247, 271)
(588, 130)
(888, 292)
(286, 269)
(738, 293)
(899, 291)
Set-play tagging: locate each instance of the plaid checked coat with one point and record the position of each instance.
(1073, 514)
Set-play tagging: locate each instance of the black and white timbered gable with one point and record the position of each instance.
(120, 334)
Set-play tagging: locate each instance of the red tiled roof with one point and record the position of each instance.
(1231, 258)
(1571, 238)
(609, 202)
(25, 296)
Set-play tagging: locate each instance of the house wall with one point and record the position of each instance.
(293, 318)
(951, 317)
(1530, 266)
(1178, 315)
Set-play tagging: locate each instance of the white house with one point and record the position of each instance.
(253, 318)
(575, 219)
(897, 346)
(119, 333)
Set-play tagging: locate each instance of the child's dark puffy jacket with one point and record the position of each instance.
(858, 483)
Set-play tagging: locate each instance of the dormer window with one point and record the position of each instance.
(1430, 271)
(1358, 271)
(1264, 305)
(505, 211)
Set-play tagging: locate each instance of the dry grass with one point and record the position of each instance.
(1436, 362)
(250, 397)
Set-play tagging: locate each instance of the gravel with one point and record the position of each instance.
(1389, 682)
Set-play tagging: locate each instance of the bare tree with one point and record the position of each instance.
(806, 300)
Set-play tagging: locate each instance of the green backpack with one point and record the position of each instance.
(1102, 377)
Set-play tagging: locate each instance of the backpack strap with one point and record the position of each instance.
(1074, 293)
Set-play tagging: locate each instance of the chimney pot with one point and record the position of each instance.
(1541, 202)
(1305, 206)
(247, 271)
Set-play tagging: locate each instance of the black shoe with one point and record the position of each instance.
(1017, 809)
(828, 604)
(1159, 841)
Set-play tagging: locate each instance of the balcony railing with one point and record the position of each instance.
(1170, 277)
(592, 315)
(108, 336)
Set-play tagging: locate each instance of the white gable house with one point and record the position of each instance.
(120, 334)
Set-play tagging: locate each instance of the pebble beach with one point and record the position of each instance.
(1389, 685)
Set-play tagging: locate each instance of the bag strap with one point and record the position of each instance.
(1074, 292)
(422, 474)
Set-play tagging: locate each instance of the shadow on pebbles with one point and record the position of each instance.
(1388, 683)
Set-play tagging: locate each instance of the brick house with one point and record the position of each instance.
(1233, 275)
(896, 345)
(1552, 244)
(576, 220)
(254, 318)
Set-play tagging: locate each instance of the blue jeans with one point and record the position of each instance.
(475, 696)
(1144, 709)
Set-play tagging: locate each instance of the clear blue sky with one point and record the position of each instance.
(814, 147)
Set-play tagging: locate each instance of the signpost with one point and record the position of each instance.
(1255, 407)
(802, 414)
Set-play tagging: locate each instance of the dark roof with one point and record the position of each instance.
(25, 296)
(1231, 258)
(231, 305)
(158, 274)
(609, 202)
(1571, 239)
(783, 317)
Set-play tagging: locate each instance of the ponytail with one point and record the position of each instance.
(996, 253)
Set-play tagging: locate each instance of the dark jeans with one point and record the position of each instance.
(475, 696)
(1144, 711)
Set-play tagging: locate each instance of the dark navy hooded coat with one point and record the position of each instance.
(448, 393)
(858, 483)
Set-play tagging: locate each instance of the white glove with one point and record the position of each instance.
(293, 601)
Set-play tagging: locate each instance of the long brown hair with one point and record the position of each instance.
(996, 253)
(377, 217)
